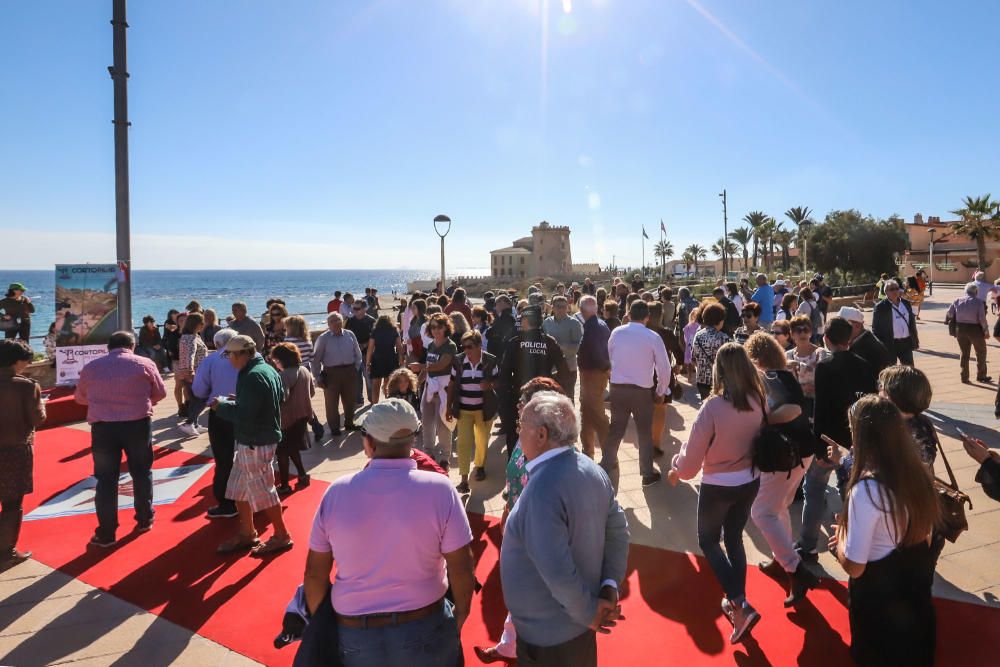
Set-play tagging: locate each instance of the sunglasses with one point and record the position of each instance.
(801, 330)
(779, 332)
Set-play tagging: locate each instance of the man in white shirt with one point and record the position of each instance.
(636, 352)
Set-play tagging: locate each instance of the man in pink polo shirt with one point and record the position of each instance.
(120, 391)
(400, 536)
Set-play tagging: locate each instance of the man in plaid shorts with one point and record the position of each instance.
(255, 412)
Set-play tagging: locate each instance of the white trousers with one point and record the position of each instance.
(770, 513)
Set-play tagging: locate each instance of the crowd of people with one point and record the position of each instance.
(792, 394)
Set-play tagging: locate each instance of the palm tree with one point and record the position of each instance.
(755, 219)
(742, 236)
(697, 253)
(800, 217)
(664, 250)
(784, 238)
(979, 222)
(765, 233)
(723, 248)
(688, 260)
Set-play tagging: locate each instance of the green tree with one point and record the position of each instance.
(723, 247)
(755, 219)
(697, 254)
(664, 250)
(800, 217)
(858, 247)
(979, 222)
(688, 260)
(783, 238)
(765, 233)
(743, 236)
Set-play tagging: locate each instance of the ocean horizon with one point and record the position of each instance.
(154, 292)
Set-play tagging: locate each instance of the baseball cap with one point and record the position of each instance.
(241, 344)
(818, 276)
(779, 283)
(851, 314)
(533, 314)
(392, 421)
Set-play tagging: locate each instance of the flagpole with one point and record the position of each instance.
(644, 253)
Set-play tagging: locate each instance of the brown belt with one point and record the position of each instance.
(389, 618)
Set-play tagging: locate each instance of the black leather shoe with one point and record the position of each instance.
(800, 582)
(649, 480)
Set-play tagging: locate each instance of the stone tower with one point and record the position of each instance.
(551, 250)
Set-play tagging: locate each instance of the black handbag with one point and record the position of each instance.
(774, 450)
(953, 502)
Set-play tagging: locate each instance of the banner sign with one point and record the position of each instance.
(86, 315)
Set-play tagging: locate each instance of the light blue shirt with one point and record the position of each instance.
(764, 296)
(215, 377)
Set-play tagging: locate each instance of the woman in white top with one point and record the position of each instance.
(804, 358)
(884, 540)
(810, 308)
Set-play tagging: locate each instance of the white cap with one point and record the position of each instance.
(779, 283)
(390, 421)
(851, 314)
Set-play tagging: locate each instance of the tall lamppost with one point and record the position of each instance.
(119, 75)
(725, 235)
(445, 223)
(932, 232)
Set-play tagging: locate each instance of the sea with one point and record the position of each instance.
(305, 292)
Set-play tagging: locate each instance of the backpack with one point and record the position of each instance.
(815, 317)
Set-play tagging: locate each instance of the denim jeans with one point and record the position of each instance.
(108, 440)
(429, 642)
(364, 385)
(814, 508)
(223, 443)
(723, 512)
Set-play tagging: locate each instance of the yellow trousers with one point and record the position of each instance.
(473, 432)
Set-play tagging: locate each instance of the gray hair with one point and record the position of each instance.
(334, 316)
(888, 284)
(972, 289)
(556, 414)
(223, 336)
(589, 303)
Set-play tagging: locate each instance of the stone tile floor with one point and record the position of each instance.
(41, 609)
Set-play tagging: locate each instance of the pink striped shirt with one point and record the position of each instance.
(120, 387)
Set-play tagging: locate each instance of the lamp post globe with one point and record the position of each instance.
(442, 222)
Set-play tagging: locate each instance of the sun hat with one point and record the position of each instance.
(851, 314)
(241, 344)
(390, 421)
(16, 286)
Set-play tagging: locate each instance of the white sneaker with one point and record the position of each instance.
(189, 429)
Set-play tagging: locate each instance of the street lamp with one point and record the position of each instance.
(932, 232)
(725, 234)
(443, 220)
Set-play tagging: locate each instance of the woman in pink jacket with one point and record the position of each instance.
(720, 447)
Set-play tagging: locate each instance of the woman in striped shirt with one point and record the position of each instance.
(472, 401)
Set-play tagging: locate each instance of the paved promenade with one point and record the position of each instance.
(65, 621)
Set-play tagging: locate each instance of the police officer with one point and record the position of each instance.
(532, 353)
(502, 327)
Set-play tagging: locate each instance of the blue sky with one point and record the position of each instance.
(323, 134)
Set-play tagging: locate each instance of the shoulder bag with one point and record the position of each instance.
(953, 501)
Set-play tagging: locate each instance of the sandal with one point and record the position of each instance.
(238, 543)
(273, 545)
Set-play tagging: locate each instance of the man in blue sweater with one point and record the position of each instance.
(565, 546)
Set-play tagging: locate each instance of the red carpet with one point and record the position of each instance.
(671, 600)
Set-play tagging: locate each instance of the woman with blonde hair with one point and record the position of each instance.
(191, 352)
(459, 325)
(211, 328)
(769, 512)
(720, 446)
(402, 383)
(883, 540)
